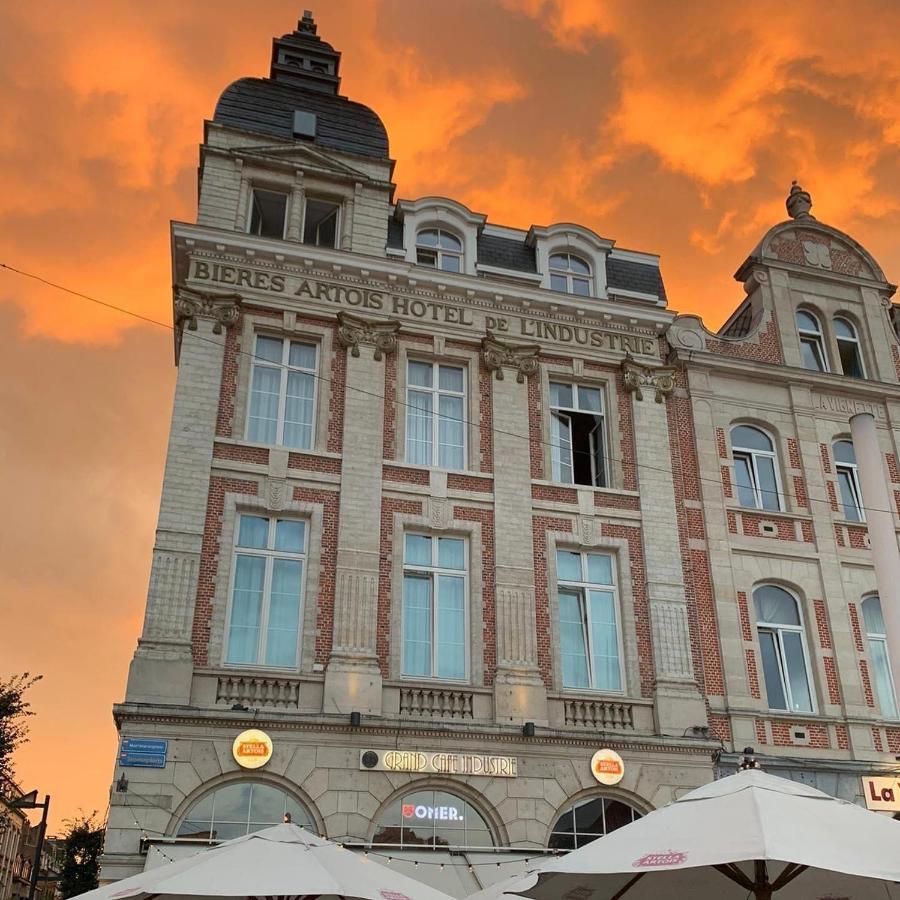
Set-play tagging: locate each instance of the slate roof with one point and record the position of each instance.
(634, 276)
(505, 253)
(263, 106)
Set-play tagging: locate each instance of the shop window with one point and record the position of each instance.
(320, 222)
(434, 607)
(876, 638)
(435, 415)
(849, 349)
(570, 274)
(812, 347)
(267, 593)
(577, 435)
(782, 644)
(755, 468)
(588, 621)
(239, 808)
(584, 822)
(432, 818)
(439, 249)
(848, 481)
(282, 392)
(268, 211)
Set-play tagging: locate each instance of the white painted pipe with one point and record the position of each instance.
(878, 503)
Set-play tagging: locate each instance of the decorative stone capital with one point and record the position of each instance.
(638, 377)
(522, 357)
(224, 309)
(354, 330)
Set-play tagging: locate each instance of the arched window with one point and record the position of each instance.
(881, 662)
(849, 349)
(570, 274)
(755, 468)
(848, 481)
(811, 344)
(439, 249)
(783, 647)
(432, 818)
(589, 819)
(238, 808)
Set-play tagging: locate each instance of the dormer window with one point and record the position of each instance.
(812, 346)
(268, 211)
(439, 249)
(848, 348)
(570, 274)
(320, 223)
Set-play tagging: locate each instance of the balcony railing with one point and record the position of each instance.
(598, 714)
(258, 691)
(436, 703)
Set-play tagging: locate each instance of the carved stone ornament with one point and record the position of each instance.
(276, 493)
(224, 309)
(522, 357)
(354, 330)
(440, 514)
(638, 377)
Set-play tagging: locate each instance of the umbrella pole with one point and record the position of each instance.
(762, 889)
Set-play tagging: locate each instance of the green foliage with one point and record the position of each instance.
(83, 846)
(14, 713)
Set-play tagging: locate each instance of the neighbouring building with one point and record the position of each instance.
(449, 507)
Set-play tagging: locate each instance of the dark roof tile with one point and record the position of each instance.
(505, 253)
(634, 276)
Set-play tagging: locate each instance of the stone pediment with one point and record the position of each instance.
(819, 247)
(303, 157)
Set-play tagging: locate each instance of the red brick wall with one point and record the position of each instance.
(726, 482)
(469, 483)
(228, 387)
(721, 444)
(794, 453)
(606, 500)
(752, 673)
(831, 677)
(832, 496)
(744, 610)
(335, 442)
(800, 494)
(761, 732)
(876, 739)
(843, 737)
(540, 526)
(867, 683)
(893, 737)
(720, 727)
(390, 406)
(765, 348)
(311, 463)
(858, 535)
(891, 460)
(854, 625)
(786, 528)
(554, 493)
(486, 407)
(406, 476)
(235, 453)
(535, 426)
(822, 624)
(826, 458)
(818, 734)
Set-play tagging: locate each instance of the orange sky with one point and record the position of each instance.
(670, 127)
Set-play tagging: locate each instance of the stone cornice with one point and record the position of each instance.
(190, 304)
(355, 330)
(497, 354)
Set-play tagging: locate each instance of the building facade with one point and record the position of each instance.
(450, 506)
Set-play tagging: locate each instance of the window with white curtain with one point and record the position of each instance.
(588, 621)
(439, 249)
(434, 607)
(577, 438)
(282, 392)
(435, 414)
(782, 643)
(570, 274)
(755, 468)
(876, 636)
(812, 345)
(848, 481)
(849, 349)
(267, 592)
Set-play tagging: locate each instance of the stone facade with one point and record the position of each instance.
(686, 556)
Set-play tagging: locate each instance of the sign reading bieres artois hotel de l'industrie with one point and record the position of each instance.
(467, 541)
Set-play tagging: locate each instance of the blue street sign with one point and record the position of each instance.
(151, 754)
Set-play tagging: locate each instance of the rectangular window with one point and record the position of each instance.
(577, 435)
(435, 413)
(267, 593)
(268, 211)
(282, 393)
(588, 621)
(320, 223)
(434, 607)
(851, 495)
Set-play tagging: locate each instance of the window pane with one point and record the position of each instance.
(451, 627)
(267, 213)
(320, 223)
(284, 613)
(450, 378)
(590, 399)
(843, 329)
(768, 487)
(561, 395)
(598, 455)
(289, 535)
(561, 448)
(265, 386)
(851, 362)
(589, 817)
(428, 238)
(419, 428)
(246, 606)
(233, 803)
(744, 437)
(604, 641)
(568, 565)
(420, 374)
(269, 349)
(599, 569)
(616, 815)
(559, 261)
(884, 685)
(576, 264)
(426, 257)
(450, 241)
(812, 354)
(253, 531)
(266, 805)
(302, 355)
(848, 495)
(559, 283)
(581, 287)
(451, 553)
(298, 410)
(572, 638)
(771, 670)
(806, 322)
(743, 475)
(418, 550)
(795, 664)
(775, 606)
(843, 452)
(451, 432)
(449, 263)
(872, 615)
(416, 625)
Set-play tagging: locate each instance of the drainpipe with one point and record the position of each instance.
(878, 502)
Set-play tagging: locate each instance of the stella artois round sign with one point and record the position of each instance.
(607, 767)
(252, 748)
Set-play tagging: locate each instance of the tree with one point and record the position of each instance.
(14, 713)
(81, 863)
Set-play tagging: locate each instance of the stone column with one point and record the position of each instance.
(162, 667)
(519, 692)
(353, 677)
(296, 211)
(679, 703)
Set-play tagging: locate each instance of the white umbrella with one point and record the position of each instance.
(282, 861)
(749, 833)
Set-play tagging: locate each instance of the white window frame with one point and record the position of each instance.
(752, 455)
(337, 221)
(269, 554)
(440, 252)
(436, 391)
(557, 449)
(285, 368)
(852, 471)
(571, 276)
(815, 337)
(432, 572)
(881, 638)
(778, 628)
(846, 340)
(581, 588)
(287, 210)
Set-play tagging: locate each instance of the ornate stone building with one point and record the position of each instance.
(450, 506)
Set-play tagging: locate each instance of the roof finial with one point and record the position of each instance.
(307, 24)
(799, 202)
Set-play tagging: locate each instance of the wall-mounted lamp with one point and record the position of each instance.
(355, 719)
(749, 760)
(528, 729)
